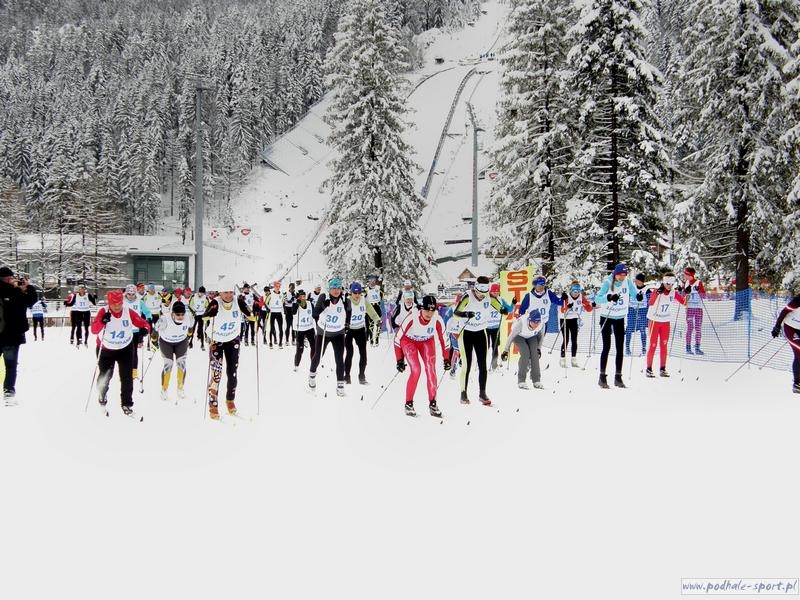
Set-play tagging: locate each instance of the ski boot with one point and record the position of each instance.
(663, 372)
(796, 388)
(128, 410)
(523, 385)
(164, 396)
(434, 409)
(410, 409)
(362, 379)
(213, 410)
(347, 379)
(102, 400)
(9, 397)
(181, 393)
(562, 362)
(538, 385)
(464, 399)
(698, 351)
(312, 380)
(618, 381)
(484, 399)
(574, 362)
(649, 372)
(689, 349)
(603, 381)
(340, 389)
(231, 405)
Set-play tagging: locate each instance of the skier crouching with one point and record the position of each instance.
(114, 327)
(414, 340)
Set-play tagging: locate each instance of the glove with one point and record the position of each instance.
(612, 297)
(468, 314)
(401, 366)
(327, 302)
(564, 296)
(594, 304)
(687, 289)
(106, 317)
(776, 331)
(640, 296)
(447, 365)
(660, 289)
(251, 318)
(504, 355)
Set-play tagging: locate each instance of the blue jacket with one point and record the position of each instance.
(523, 307)
(601, 298)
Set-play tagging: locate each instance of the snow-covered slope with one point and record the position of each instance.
(285, 242)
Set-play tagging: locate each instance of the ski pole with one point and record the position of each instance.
(747, 362)
(385, 389)
(96, 367)
(774, 354)
(147, 368)
(710, 320)
(591, 343)
(258, 381)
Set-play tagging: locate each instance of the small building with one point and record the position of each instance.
(466, 275)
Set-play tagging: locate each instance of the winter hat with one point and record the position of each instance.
(535, 316)
(372, 278)
(575, 288)
(494, 288)
(688, 272)
(202, 289)
(640, 277)
(179, 308)
(6, 272)
(355, 288)
(620, 268)
(301, 292)
(539, 280)
(151, 286)
(429, 302)
(408, 293)
(226, 286)
(114, 297)
(178, 292)
(130, 289)
(187, 290)
(407, 283)
(334, 283)
(246, 285)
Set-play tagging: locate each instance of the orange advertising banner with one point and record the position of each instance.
(513, 287)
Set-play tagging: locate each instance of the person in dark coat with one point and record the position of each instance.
(16, 296)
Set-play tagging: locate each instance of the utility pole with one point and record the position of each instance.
(199, 208)
(474, 186)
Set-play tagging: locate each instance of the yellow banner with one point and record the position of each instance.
(513, 286)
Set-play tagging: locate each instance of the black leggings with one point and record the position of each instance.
(375, 326)
(570, 333)
(606, 327)
(249, 326)
(474, 340)
(493, 338)
(38, 321)
(199, 331)
(337, 341)
(287, 312)
(227, 352)
(360, 337)
(105, 370)
(275, 317)
(302, 336)
(79, 318)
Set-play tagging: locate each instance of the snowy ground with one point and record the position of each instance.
(570, 492)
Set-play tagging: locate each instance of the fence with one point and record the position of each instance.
(734, 327)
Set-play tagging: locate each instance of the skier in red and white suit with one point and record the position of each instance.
(659, 313)
(413, 339)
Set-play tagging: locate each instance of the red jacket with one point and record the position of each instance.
(98, 325)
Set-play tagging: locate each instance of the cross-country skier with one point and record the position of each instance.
(174, 333)
(225, 313)
(80, 305)
(38, 311)
(198, 306)
(659, 312)
(154, 304)
(540, 298)
(788, 321)
(613, 298)
(360, 311)
(289, 300)
(637, 315)
(134, 302)
(695, 292)
(475, 308)
(332, 315)
(414, 340)
(571, 313)
(403, 293)
(304, 326)
(248, 326)
(114, 327)
(404, 305)
(526, 336)
(274, 302)
(315, 293)
(495, 318)
(375, 298)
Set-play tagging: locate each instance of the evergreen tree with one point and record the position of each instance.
(735, 86)
(373, 220)
(620, 164)
(527, 207)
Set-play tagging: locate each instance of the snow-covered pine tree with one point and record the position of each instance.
(620, 165)
(735, 91)
(532, 151)
(375, 210)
